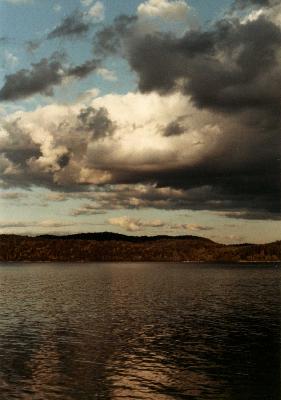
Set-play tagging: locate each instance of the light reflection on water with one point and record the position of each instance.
(141, 331)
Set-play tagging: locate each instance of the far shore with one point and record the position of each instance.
(112, 247)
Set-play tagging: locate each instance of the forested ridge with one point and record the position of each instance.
(115, 247)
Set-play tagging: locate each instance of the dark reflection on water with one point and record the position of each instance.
(139, 331)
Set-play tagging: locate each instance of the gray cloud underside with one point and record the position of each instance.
(42, 77)
(167, 198)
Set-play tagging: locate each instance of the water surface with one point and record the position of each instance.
(139, 331)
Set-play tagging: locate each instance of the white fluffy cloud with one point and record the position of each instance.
(272, 13)
(171, 10)
(134, 224)
(137, 224)
(97, 11)
(139, 143)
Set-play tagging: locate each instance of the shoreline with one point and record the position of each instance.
(278, 262)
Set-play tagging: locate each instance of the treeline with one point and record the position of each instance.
(112, 247)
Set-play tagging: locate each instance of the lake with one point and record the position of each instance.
(139, 331)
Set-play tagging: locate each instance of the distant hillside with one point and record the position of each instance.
(106, 246)
(103, 236)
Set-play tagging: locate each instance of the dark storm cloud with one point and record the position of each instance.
(227, 68)
(230, 68)
(210, 186)
(252, 215)
(97, 122)
(63, 160)
(241, 4)
(174, 128)
(42, 77)
(81, 71)
(168, 198)
(108, 40)
(233, 70)
(20, 146)
(73, 26)
(19, 149)
(16, 153)
(39, 79)
(21, 155)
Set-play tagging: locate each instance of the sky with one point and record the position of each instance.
(141, 117)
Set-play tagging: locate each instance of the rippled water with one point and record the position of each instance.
(139, 331)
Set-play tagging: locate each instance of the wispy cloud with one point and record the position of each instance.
(10, 59)
(107, 74)
(12, 195)
(86, 210)
(19, 2)
(36, 224)
(57, 8)
(191, 227)
(73, 25)
(86, 3)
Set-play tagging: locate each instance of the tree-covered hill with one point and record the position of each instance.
(114, 247)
